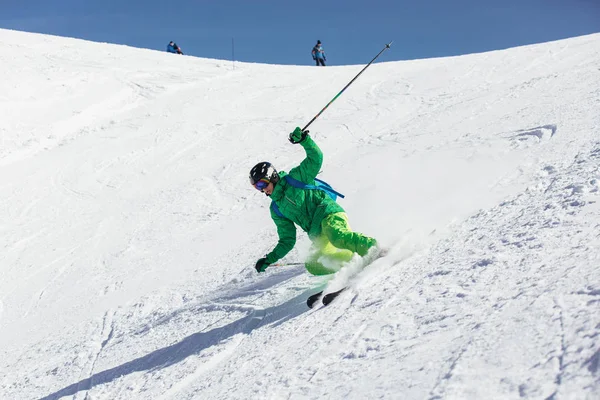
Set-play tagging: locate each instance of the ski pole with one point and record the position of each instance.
(387, 46)
(286, 264)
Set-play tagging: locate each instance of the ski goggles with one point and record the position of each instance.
(262, 184)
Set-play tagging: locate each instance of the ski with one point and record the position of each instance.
(329, 297)
(312, 300)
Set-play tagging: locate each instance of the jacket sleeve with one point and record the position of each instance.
(309, 167)
(287, 238)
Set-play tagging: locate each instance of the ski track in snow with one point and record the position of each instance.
(217, 340)
(129, 261)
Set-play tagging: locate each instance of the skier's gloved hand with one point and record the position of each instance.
(298, 136)
(261, 265)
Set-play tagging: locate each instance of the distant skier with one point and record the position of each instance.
(173, 48)
(318, 54)
(312, 209)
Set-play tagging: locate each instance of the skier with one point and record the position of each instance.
(173, 48)
(311, 209)
(318, 54)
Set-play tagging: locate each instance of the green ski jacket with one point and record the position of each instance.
(303, 207)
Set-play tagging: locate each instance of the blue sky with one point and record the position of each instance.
(283, 32)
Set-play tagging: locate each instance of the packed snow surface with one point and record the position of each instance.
(129, 231)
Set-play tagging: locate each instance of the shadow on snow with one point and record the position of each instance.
(192, 344)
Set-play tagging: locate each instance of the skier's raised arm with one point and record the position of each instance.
(309, 167)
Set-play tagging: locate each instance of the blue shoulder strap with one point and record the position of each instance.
(327, 187)
(276, 209)
(320, 185)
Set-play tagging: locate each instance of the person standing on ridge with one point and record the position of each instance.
(173, 48)
(318, 54)
(299, 199)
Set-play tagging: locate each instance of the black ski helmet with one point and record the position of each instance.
(263, 170)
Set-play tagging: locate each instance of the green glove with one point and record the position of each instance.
(261, 265)
(298, 136)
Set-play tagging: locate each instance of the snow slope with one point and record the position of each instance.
(129, 231)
